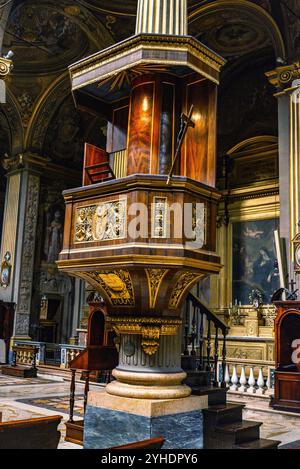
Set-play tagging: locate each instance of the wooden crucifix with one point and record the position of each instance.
(185, 123)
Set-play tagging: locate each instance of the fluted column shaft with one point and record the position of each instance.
(162, 17)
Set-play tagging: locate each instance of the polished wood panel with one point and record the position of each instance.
(287, 373)
(74, 432)
(7, 312)
(40, 433)
(140, 134)
(117, 129)
(96, 165)
(198, 155)
(152, 443)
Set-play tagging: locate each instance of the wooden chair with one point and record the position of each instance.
(39, 433)
(96, 166)
(152, 443)
(96, 356)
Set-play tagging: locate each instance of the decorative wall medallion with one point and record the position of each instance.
(6, 270)
(117, 285)
(185, 281)
(102, 222)
(155, 278)
(159, 217)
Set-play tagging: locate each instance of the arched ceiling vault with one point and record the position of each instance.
(236, 27)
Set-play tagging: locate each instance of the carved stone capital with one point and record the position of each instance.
(26, 160)
(283, 77)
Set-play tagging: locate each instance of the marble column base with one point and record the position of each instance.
(113, 420)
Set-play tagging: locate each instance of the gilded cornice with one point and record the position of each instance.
(194, 52)
(283, 77)
(141, 182)
(249, 193)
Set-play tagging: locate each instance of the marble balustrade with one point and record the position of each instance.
(247, 376)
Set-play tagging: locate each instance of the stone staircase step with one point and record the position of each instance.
(261, 443)
(240, 432)
(225, 413)
(197, 378)
(216, 396)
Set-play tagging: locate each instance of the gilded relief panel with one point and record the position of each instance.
(117, 284)
(102, 222)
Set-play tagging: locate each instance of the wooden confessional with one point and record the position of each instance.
(7, 312)
(287, 342)
(99, 355)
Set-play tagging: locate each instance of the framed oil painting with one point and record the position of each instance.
(254, 263)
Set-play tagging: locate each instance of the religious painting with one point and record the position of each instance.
(254, 263)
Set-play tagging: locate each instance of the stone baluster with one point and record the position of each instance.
(227, 376)
(243, 380)
(251, 381)
(234, 379)
(260, 382)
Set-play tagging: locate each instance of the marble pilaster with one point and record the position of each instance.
(19, 234)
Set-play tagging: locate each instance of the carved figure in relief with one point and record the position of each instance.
(54, 238)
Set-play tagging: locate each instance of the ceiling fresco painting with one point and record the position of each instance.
(47, 36)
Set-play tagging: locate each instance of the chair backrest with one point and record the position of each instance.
(96, 166)
(39, 433)
(152, 443)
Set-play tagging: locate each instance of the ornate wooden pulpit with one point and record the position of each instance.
(144, 239)
(287, 340)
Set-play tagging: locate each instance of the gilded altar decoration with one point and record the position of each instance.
(159, 217)
(103, 222)
(6, 270)
(151, 329)
(117, 285)
(155, 278)
(186, 280)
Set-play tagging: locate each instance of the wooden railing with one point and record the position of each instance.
(203, 331)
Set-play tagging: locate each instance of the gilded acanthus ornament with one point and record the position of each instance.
(151, 329)
(155, 278)
(185, 280)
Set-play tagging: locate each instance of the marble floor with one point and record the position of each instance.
(281, 426)
(48, 395)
